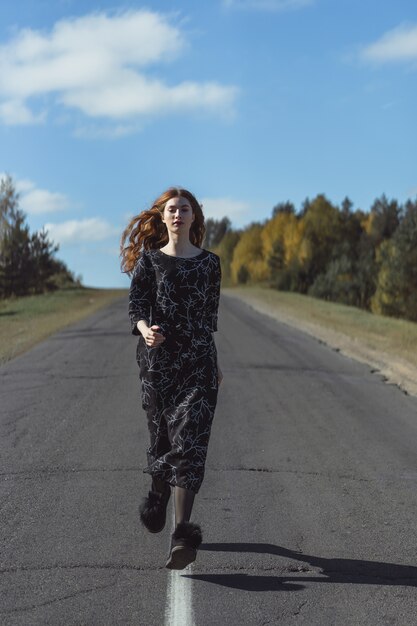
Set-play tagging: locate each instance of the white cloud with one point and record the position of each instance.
(74, 231)
(95, 64)
(237, 211)
(15, 112)
(38, 201)
(23, 185)
(399, 44)
(35, 201)
(267, 5)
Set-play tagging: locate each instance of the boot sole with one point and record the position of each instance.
(180, 557)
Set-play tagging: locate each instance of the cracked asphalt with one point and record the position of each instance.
(308, 507)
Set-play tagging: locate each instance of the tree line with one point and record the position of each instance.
(362, 258)
(27, 260)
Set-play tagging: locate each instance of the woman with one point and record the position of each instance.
(173, 307)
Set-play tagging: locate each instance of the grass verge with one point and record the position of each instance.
(388, 343)
(26, 321)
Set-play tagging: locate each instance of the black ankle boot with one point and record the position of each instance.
(153, 509)
(185, 540)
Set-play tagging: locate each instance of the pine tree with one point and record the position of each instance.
(27, 263)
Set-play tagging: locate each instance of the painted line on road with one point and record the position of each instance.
(179, 601)
(179, 608)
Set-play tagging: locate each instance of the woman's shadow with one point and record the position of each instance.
(348, 571)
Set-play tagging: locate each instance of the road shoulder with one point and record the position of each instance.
(395, 370)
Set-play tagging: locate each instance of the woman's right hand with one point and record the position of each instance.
(152, 337)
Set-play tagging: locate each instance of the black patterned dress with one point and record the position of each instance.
(178, 377)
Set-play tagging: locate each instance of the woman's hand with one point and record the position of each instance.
(152, 337)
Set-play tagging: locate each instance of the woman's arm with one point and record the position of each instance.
(141, 300)
(141, 295)
(213, 301)
(213, 294)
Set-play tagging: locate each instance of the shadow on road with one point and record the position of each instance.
(246, 582)
(351, 571)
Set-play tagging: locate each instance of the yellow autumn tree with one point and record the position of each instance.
(396, 286)
(248, 263)
(294, 243)
(321, 233)
(386, 294)
(225, 251)
(282, 237)
(273, 231)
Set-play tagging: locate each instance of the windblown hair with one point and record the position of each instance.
(147, 231)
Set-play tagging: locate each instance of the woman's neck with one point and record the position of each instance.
(179, 247)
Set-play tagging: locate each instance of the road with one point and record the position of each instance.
(308, 507)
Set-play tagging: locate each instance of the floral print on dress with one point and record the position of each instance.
(179, 378)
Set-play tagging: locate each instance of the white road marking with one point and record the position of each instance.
(179, 601)
(179, 608)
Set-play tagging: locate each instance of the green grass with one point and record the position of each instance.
(26, 321)
(394, 336)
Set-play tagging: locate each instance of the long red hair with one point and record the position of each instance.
(147, 231)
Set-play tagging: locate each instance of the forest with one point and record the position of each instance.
(27, 260)
(367, 259)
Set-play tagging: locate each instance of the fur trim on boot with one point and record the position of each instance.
(153, 510)
(185, 540)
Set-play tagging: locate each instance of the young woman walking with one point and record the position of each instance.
(173, 307)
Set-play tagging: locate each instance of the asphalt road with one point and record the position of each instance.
(308, 507)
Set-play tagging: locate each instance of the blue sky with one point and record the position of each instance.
(247, 103)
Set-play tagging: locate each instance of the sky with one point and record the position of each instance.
(246, 103)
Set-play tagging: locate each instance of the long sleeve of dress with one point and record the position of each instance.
(213, 295)
(141, 294)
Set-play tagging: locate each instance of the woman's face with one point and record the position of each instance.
(178, 215)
